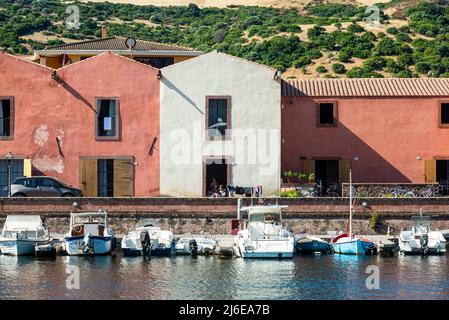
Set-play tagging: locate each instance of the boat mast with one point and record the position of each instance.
(350, 203)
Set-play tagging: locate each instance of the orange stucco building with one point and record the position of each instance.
(386, 130)
(94, 123)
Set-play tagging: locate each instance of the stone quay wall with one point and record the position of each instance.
(214, 215)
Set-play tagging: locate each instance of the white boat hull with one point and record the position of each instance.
(99, 245)
(277, 249)
(161, 242)
(413, 247)
(19, 247)
(410, 243)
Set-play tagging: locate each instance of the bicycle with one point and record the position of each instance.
(430, 192)
(332, 191)
(401, 193)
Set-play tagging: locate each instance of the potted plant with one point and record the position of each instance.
(288, 175)
(301, 177)
(296, 175)
(312, 177)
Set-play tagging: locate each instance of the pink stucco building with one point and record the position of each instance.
(94, 123)
(386, 130)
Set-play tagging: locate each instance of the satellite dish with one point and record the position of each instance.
(63, 59)
(130, 42)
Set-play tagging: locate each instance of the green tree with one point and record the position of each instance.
(338, 68)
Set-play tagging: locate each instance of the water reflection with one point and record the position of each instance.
(304, 277)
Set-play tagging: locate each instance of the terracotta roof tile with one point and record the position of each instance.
(117, 43)
(366, 87)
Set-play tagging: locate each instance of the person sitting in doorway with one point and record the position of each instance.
(221, 191)
(214, 187)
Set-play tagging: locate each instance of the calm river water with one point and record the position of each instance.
(304, 277)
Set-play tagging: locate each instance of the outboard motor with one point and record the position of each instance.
(145, 242)
(193, 247)
(87, 244)
(424, 240)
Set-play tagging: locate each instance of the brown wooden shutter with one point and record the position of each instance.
(343, 171)
(430, 170)
(123, 178)
(89, 177)
(27, 167)
(308, 166)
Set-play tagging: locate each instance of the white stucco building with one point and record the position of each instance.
(220, 118)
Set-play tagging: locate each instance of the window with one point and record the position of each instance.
(48, 183)
(105, 177)
(218, 116)
(444, 114)
(16, 172)
(107, 118)
(327, 114)
(5, 118)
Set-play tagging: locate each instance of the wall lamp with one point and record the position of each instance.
(365, 205)
(54, 75)
(159, 74)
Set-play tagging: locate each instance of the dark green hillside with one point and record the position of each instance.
(282, 38)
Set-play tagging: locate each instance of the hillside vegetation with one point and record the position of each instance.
(323, 39)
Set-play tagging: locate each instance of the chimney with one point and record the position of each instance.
(104, 32)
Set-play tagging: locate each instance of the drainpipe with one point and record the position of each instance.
(239, 205)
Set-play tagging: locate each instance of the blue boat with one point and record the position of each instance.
(311, 244)
(348, 243)
(353, 245)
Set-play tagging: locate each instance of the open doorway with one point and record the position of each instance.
(442, 175)
(216, 174)
(327, 172)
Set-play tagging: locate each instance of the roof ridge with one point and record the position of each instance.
(222, 53)
(110, 43)
(81, 42)
(26, 61)
(347, 87)
(107, 53)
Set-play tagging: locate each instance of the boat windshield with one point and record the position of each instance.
(20, 235)
(421, 221)
(88, 219)
(267, 217)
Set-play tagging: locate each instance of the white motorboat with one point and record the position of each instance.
(89, 234)
(148, 239)
(21, 234)
(196, 245)
(263, 235)
(420, 239)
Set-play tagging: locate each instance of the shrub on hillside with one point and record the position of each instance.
(338, 68)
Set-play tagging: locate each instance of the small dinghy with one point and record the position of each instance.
(148, 239)
(45, 250)
(21, 234)
(89, 234)
(348, 243)
(357, 245)
(195, 245)
(311, 244)
(420, 239)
